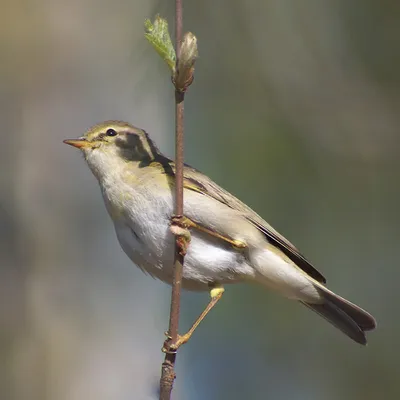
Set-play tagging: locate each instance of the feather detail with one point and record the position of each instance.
(196, 181)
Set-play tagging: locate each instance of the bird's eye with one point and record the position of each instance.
(111, 132)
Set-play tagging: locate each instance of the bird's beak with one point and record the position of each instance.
(78, 143)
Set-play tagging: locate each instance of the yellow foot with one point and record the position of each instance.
(181, 340)
(173, 347)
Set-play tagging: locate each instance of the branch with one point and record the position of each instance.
(182, 68)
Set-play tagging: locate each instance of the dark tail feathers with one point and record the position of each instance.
(352, 320)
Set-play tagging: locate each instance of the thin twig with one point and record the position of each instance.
(168, 366)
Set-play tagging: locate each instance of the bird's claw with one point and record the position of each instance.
(172, 348)
(179, 227)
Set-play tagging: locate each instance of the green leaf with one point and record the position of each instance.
(158, 36)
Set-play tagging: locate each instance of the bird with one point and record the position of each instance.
(229, 242)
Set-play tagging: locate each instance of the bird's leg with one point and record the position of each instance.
(216, 293)
(187, 223)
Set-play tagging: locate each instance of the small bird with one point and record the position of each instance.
(229, 242)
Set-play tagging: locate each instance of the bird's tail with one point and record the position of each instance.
(352, 320)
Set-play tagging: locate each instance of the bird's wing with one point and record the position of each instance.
(196, 181)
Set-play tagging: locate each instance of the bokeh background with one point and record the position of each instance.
(294, 108)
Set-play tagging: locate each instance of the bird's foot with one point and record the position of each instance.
(179, 227)
(172, 347)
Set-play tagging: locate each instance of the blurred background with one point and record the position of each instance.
(294, 109)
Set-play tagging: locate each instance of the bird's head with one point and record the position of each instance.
(113, 143)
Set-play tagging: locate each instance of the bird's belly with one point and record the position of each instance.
(206, 262)
(210, 261)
